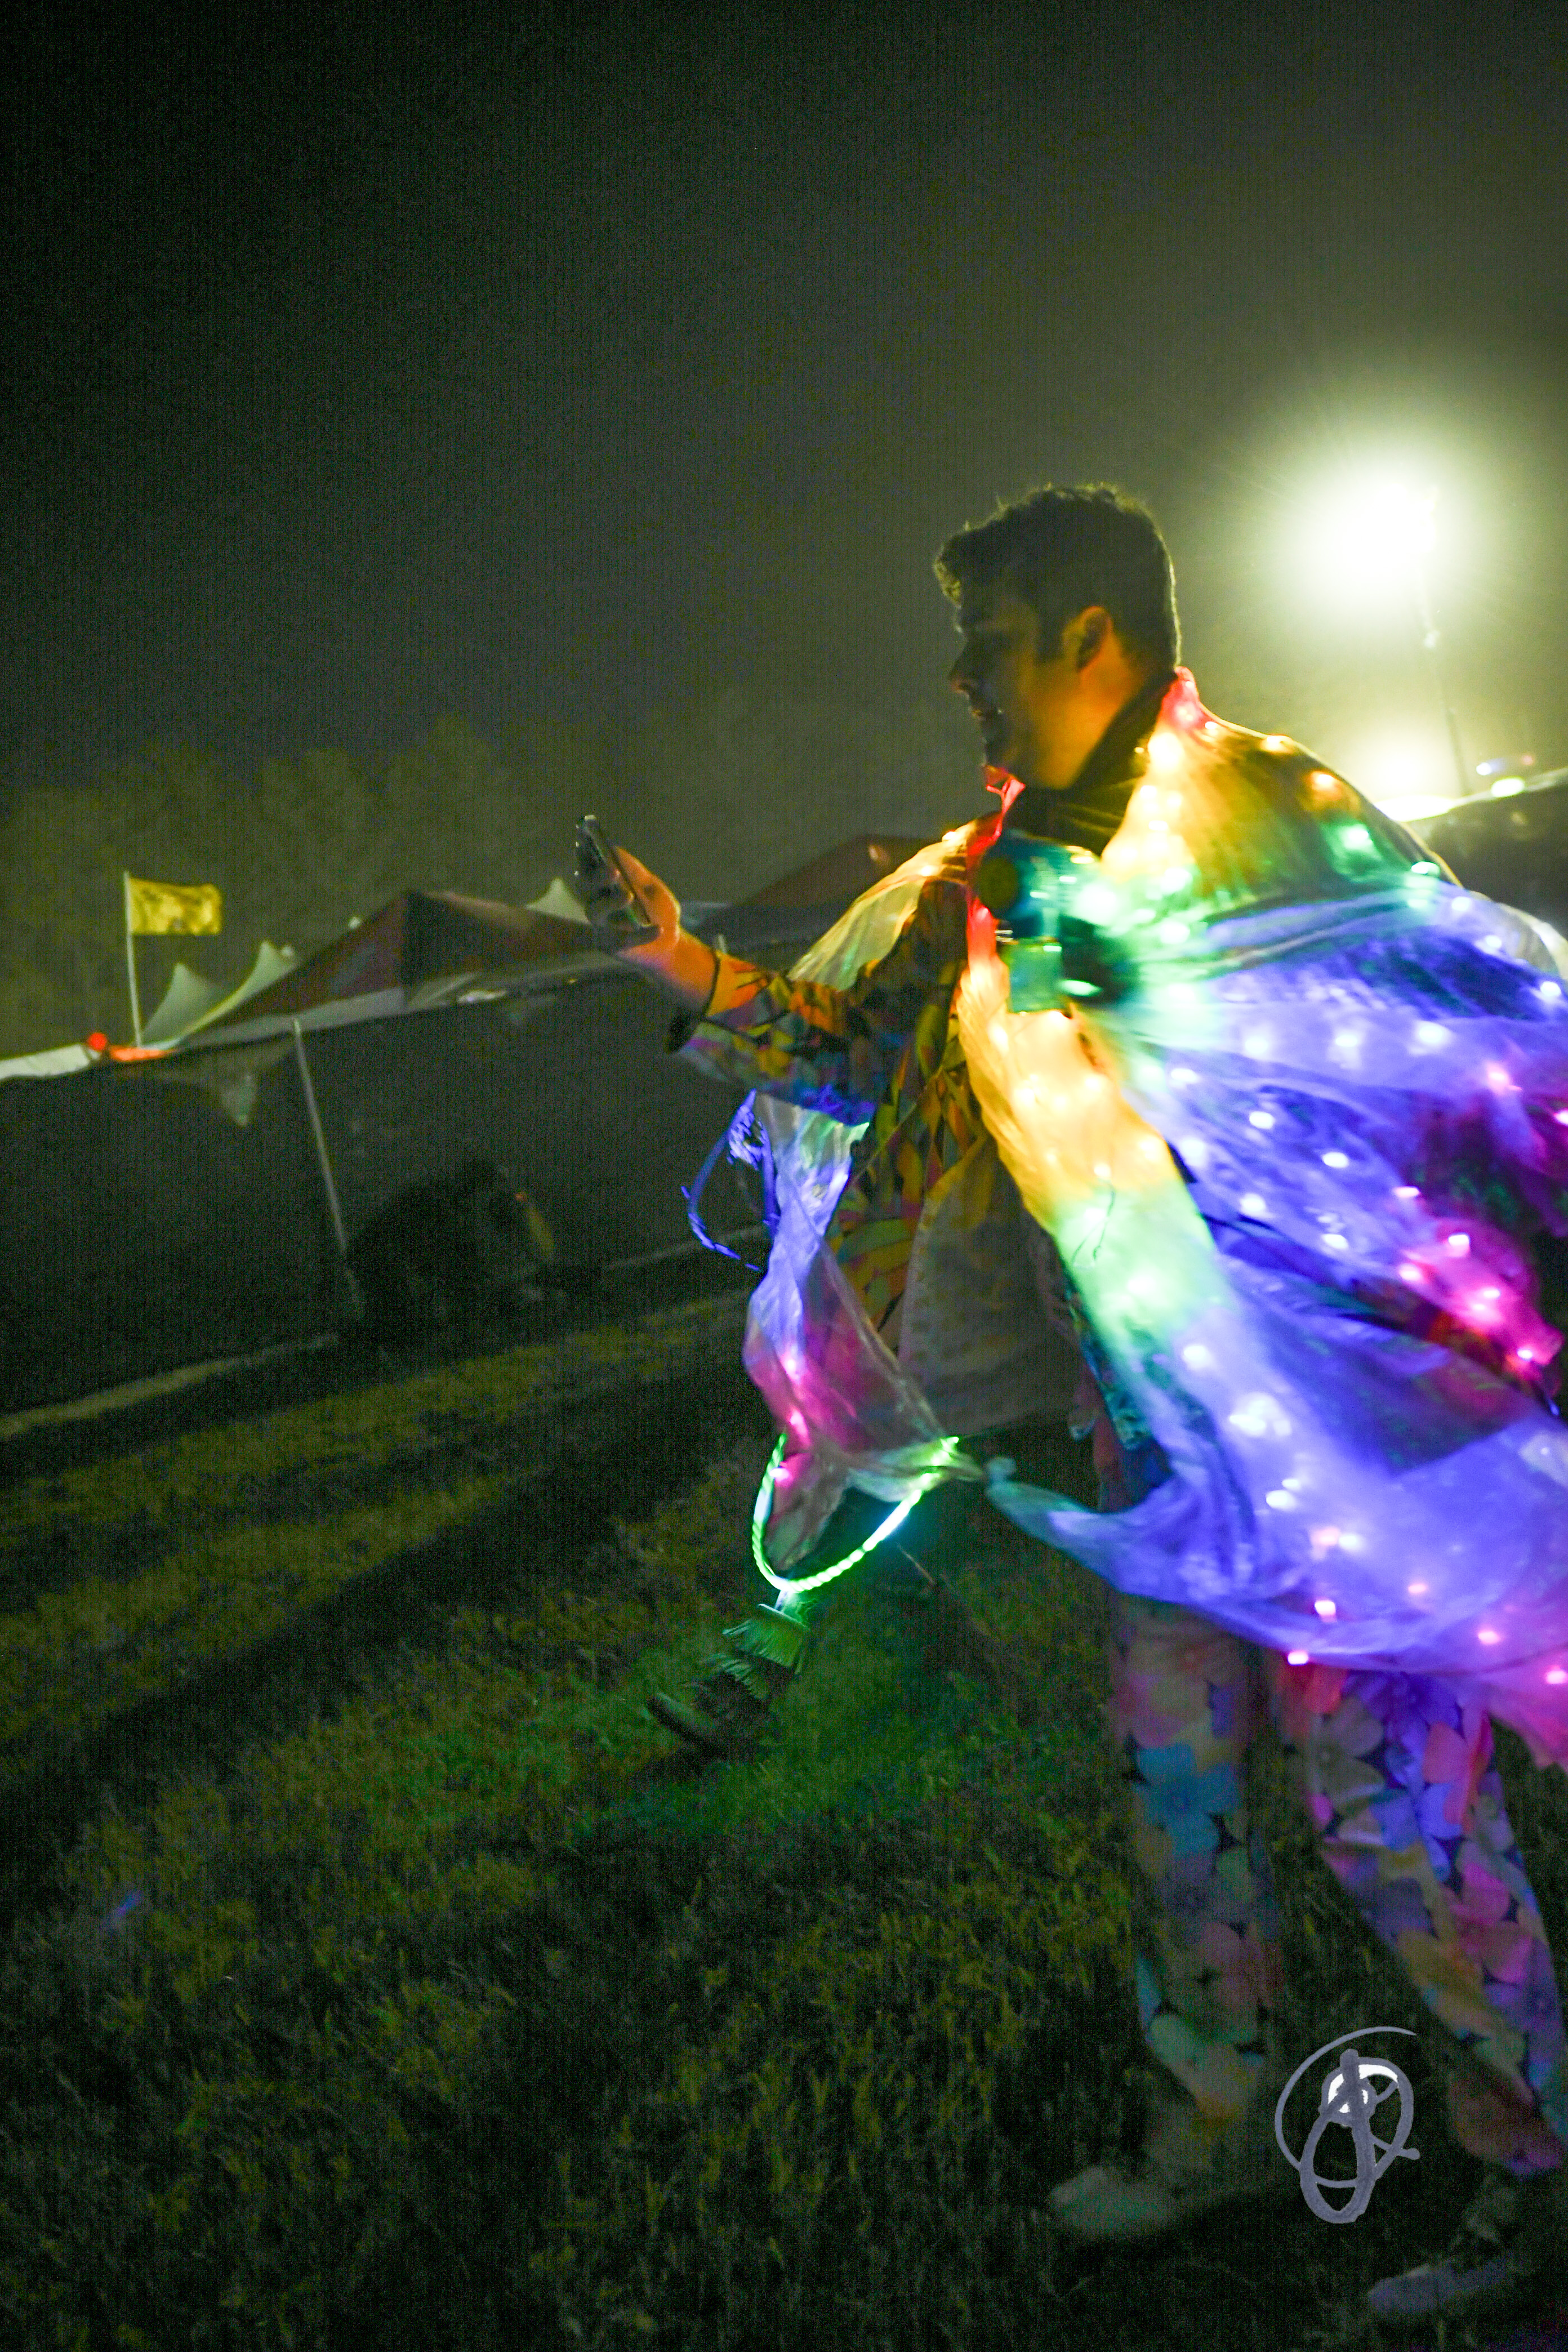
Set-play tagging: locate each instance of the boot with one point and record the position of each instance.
(731, 1698)
(1504, 2256)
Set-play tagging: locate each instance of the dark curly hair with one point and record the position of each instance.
(1061, 550)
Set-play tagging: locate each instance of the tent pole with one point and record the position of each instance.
(131, 958)
(324, 1162)
(348, 1301)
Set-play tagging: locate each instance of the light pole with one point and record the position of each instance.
(1421, 537)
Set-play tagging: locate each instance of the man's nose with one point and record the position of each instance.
(959, 676)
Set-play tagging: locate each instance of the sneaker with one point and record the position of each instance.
(1190, 2168)
(723, 1720)
(729, 1704)
(1497, 2263)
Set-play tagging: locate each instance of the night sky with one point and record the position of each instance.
(359, 369)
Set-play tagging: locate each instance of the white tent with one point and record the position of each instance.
(190, 1002)
(53, 1064)
(558, 901)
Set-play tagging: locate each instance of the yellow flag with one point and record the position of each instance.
(168, 907)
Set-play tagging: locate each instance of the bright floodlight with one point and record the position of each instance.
(1368, 547)
(1372, 537)
(1409, 774)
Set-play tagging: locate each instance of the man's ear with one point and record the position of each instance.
(1094, 624)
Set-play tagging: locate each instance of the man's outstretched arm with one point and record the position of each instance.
(829, 1049)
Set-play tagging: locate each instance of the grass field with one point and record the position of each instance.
(376, 1973)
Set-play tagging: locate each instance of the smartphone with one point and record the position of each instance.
(596, 849)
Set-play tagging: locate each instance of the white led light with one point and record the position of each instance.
(1253, 1204)
(1336, 1160)
(1259, 1415)
(1200, 1358)
(1097, 904)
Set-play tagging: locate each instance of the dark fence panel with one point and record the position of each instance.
(571, 1088)
(146, 1227)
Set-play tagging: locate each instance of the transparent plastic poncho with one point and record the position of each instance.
(1288, 1101)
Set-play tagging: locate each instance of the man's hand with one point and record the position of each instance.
(684, 966)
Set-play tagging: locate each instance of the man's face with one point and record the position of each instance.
(1025, 699)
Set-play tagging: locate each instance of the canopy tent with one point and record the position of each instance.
(558, 901)
(190, 1002)
(53, 1063)
(416, 946)
(839, 875)
(427, 947)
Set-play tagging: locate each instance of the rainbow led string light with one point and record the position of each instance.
(1298, 1101)
(1337, 1348)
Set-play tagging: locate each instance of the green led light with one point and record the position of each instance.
(764, 1504)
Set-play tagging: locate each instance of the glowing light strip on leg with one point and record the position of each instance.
(783, 1584)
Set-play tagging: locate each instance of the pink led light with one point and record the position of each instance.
(1298, 1658)
(1412, 1273)
(1325, 1608)
(1485, 1634)
(1557, 1674)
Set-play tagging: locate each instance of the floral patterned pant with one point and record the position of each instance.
(1399, 1781)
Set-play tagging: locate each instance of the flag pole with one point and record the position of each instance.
(131, 958)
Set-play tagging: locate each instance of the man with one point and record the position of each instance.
(1047, 967)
